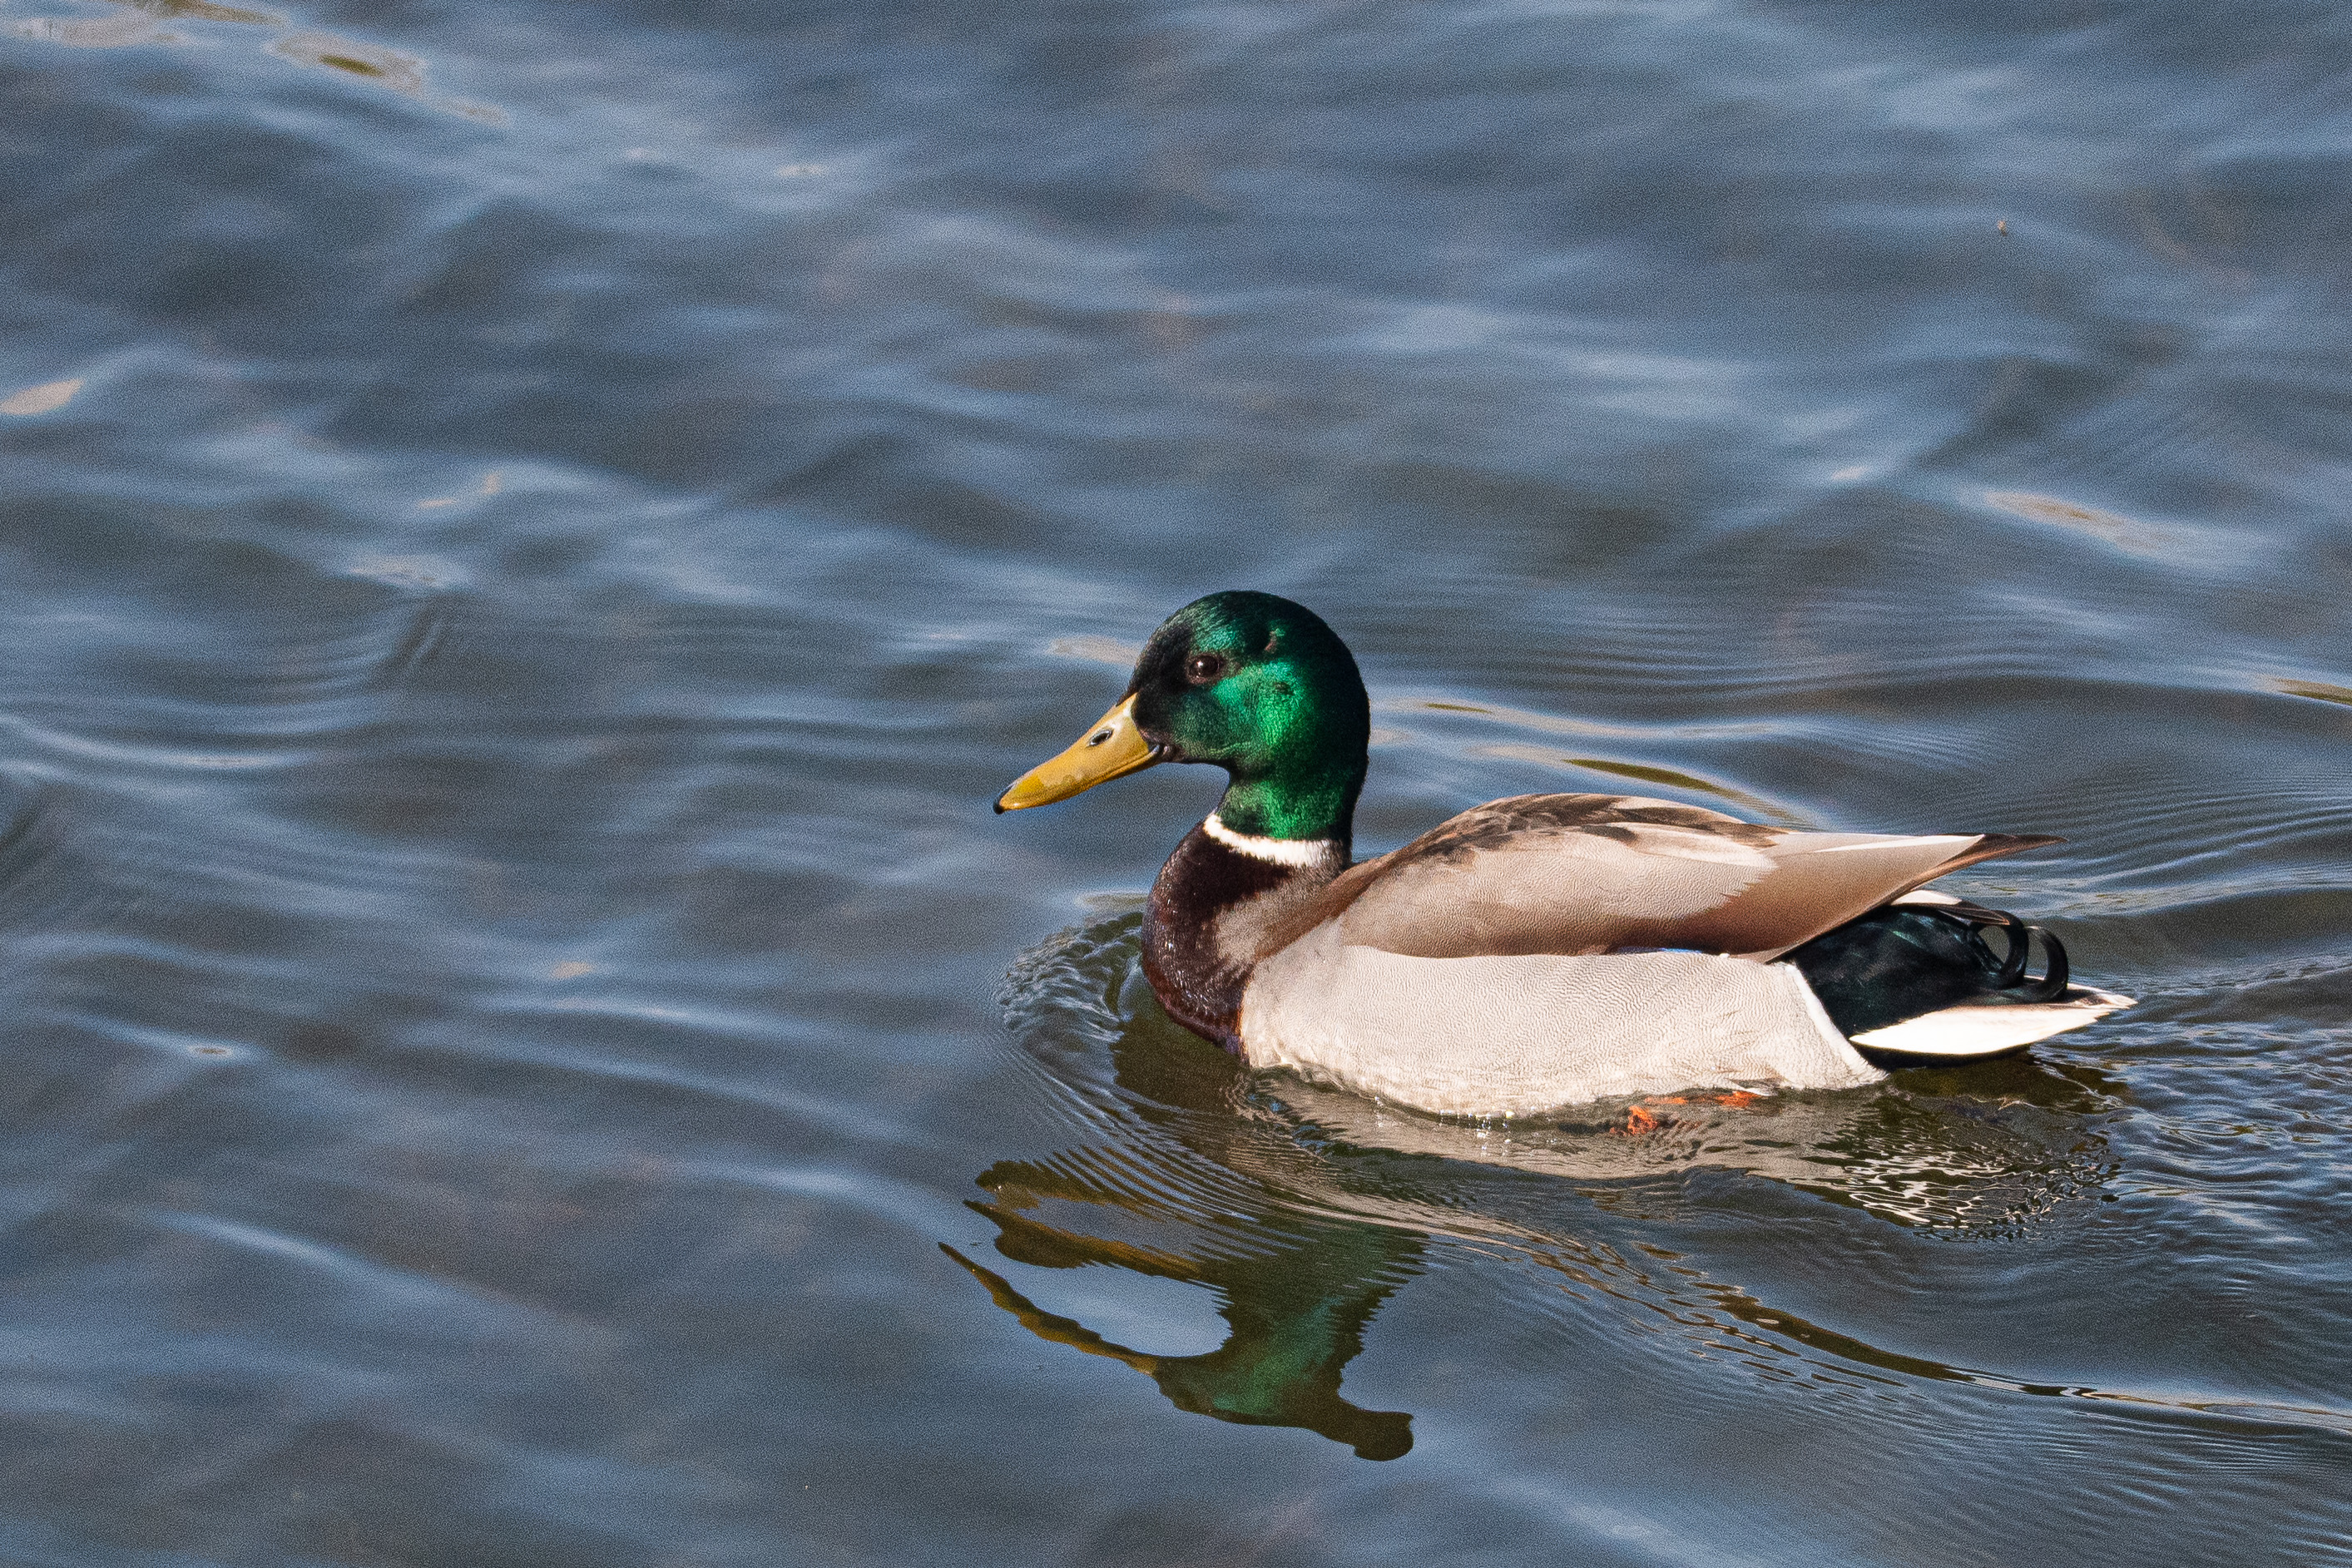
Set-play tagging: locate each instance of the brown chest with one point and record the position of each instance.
(1211, 909)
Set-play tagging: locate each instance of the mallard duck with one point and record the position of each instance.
(1535, 952)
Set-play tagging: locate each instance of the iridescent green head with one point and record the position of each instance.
(1253, 683)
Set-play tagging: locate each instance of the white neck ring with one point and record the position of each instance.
(1303, 854)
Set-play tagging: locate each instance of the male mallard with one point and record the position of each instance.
(1534, 952)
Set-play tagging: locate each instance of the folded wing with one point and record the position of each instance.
(1598, 874)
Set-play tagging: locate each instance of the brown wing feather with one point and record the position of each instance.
(1992, 846)
(1593, 873)
(1821, 881)
(1525, 819)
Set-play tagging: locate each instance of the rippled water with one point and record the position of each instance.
(534, 533)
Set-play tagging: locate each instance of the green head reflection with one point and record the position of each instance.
(1294, 1314)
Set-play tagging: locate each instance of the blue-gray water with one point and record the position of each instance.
(533, 534)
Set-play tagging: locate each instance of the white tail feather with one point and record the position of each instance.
(1973, 1030)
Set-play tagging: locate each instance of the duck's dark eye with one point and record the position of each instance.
(1205, 668)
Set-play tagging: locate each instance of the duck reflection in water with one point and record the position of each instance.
(1295, 1315)
(1306, 1209)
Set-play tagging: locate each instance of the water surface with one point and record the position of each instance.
(534, 533)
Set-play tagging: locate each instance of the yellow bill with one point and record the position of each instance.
(1111, 750)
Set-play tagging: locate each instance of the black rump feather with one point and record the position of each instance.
(1901, 960)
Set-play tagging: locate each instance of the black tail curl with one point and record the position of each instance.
(1904, 959)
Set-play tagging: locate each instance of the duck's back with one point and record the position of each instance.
(1594, 873)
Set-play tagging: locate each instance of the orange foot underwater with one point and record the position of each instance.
(1640, 1119)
